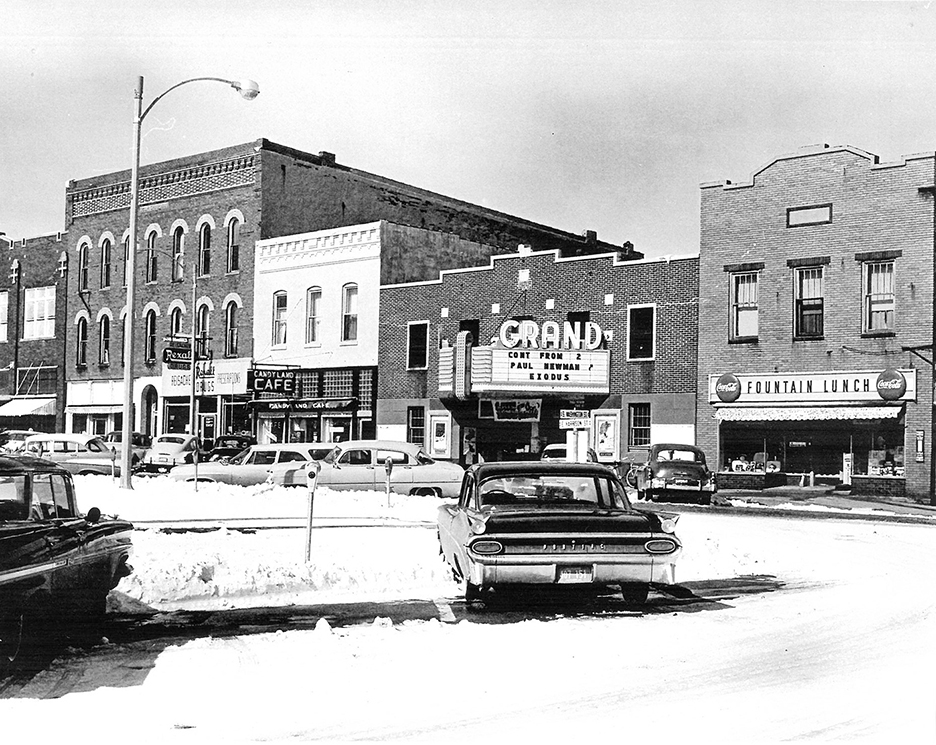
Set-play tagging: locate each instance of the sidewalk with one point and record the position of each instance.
(822, 499)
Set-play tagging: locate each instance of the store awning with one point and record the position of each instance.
(27, 406)
(806, 413)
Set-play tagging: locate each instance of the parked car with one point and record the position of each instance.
(169, 450)
(559, 451)
(675, 471)
(282, 464)
(79, 454)
(228, 446)
(56, 565)
(554, 523)
(360, 464)
(139, 444)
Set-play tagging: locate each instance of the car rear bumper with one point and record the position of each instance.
(597, 570)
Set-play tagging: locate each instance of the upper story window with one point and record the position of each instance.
(104, 341)
(233, 246)
(878, 307)
(39, 313)
(202, 329)
(417, 345)
(178, 254)
(204, 250)
(175, 322)
(230, 329)
(817, 214)
(151, 264)
(149, 336)
(744, 311)
(808, 303)
(105, 263)
(641, 332)
(126, 262)
(349, 313)
(313, 313)
(81, 349)
(279, 317)
(83, 258)
(4, 314)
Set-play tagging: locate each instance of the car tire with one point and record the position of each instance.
(635, 593)
(425, 491)
(706, 499)
(472, 592)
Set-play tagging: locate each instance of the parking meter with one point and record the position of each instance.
(113, 457)
(388, 467)
(312, 473)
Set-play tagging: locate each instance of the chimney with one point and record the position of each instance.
(591, 237)
(326, 158)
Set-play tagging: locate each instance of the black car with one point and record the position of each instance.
(227, 446)
(675, 471)
(56, 565)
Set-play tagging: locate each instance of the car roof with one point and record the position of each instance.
(62, 436)
(520, 467)
(674, 446)
(292, 445)
(380, 445)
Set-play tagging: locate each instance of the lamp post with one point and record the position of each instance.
(249, 90)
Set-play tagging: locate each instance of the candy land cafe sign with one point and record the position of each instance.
(815, 387)
(548, 357)
(225, 377)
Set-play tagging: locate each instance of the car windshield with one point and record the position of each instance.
(687, 456)
(549, 490)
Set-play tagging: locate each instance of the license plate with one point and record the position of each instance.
(681, 481)
(163, 459)
(574, 574)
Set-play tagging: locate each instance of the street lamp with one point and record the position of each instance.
(249, 90)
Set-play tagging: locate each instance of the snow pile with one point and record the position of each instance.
(397, 556)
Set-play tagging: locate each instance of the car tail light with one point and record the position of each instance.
(487, 547)
(660, 546)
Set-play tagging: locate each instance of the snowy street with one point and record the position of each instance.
(816, 630)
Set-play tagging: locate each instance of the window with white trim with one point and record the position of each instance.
(39, 313)
(417, 345)
(178, 254)
(639, 425)
(4, 314)
(279, 317)
(151, 264)
(349, 312)
(313, 312)
(808, 312)
(149, 337)
(744, 310)
(641, 332)
(81, 348)
(233, 246)
(204, 250)
(83, 259)
(878, 306)
(230, 329)
(105, 263)
(104, 341)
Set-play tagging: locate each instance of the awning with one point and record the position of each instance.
(805, 413)
(27, 406)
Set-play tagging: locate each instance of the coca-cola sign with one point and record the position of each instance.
(728, 388)
(891, 384)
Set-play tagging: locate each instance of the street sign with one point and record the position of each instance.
(574, 418)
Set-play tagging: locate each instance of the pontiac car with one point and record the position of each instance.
(674, 471)
(56, 565)
(553, 523)
(280, 464)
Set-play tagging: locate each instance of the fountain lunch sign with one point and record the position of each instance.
(548, 357)
(814, 387)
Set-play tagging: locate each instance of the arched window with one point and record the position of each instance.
(230, 329)
(151, 257)
(204, 249)
(349, 326)
(178, 254)
(204, 317)
(83, 268)
(81, 350)
(233, 246)
(126, 247)
(279, 317)
(175, 322)
(313, 309)
(105, 263)
(104, 341)
(149, 351)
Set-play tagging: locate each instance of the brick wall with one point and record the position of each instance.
(875, 207)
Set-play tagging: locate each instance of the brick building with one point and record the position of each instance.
(816, 326)
(202, 215)
(33, 311)
(484, 360)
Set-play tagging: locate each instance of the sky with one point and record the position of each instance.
(814, 661)
(587, 115)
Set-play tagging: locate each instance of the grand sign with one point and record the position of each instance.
(862, 386)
